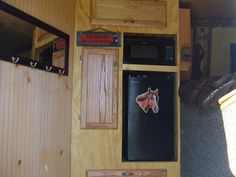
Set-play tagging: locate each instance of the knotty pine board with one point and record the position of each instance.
(35, 106)
(35, 124)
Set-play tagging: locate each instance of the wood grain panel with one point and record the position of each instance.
(34, 123)
(83, 21)
(159, 68)
(58, 13)
(185, 27)
(35, 106)
(99, 93)
(185, 41)
(122, 173)
(127, 13)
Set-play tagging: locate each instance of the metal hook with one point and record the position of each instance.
(48, 68)
(15, 59)
(61, 71)
(33, 64)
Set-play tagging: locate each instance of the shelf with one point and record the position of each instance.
(158, 68)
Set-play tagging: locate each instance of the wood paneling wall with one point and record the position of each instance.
(101, 149)
(35, 123)
(57, 13)
(35, 106)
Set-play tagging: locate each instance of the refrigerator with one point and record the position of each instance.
(148, 117)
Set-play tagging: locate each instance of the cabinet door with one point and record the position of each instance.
(129, 173)
(129, 12)
(99, 88)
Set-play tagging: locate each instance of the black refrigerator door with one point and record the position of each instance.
(148, 132)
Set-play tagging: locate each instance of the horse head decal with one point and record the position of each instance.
(148, 100)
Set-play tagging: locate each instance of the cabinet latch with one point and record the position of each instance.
(127, 173)
(129, 20)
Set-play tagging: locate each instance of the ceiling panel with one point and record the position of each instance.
(211, 9)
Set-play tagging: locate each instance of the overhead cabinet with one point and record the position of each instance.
(150, 13)
(99, 88)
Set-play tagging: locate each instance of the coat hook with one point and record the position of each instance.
(15, 59)
(61, 71)
(33, 64)
(48, 68)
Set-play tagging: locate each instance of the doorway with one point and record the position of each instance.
(233, 57)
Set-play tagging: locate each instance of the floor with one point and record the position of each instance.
(203, 144)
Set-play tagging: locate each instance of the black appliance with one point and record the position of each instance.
(149, 50)
(148, 134)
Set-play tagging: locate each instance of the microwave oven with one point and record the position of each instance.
(149, 50)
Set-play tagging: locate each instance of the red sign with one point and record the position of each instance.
(58, 44)
(98, 39)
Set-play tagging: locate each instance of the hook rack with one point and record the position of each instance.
(33, 64)
(48, 68)
(61, 71)
(15, 59)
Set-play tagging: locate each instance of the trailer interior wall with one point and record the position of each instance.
(35, 106)
(101, 149)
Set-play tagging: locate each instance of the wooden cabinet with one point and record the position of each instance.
(185, 41)
(99, 88)
(130, 173)
(185, 27)
(129, 13)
